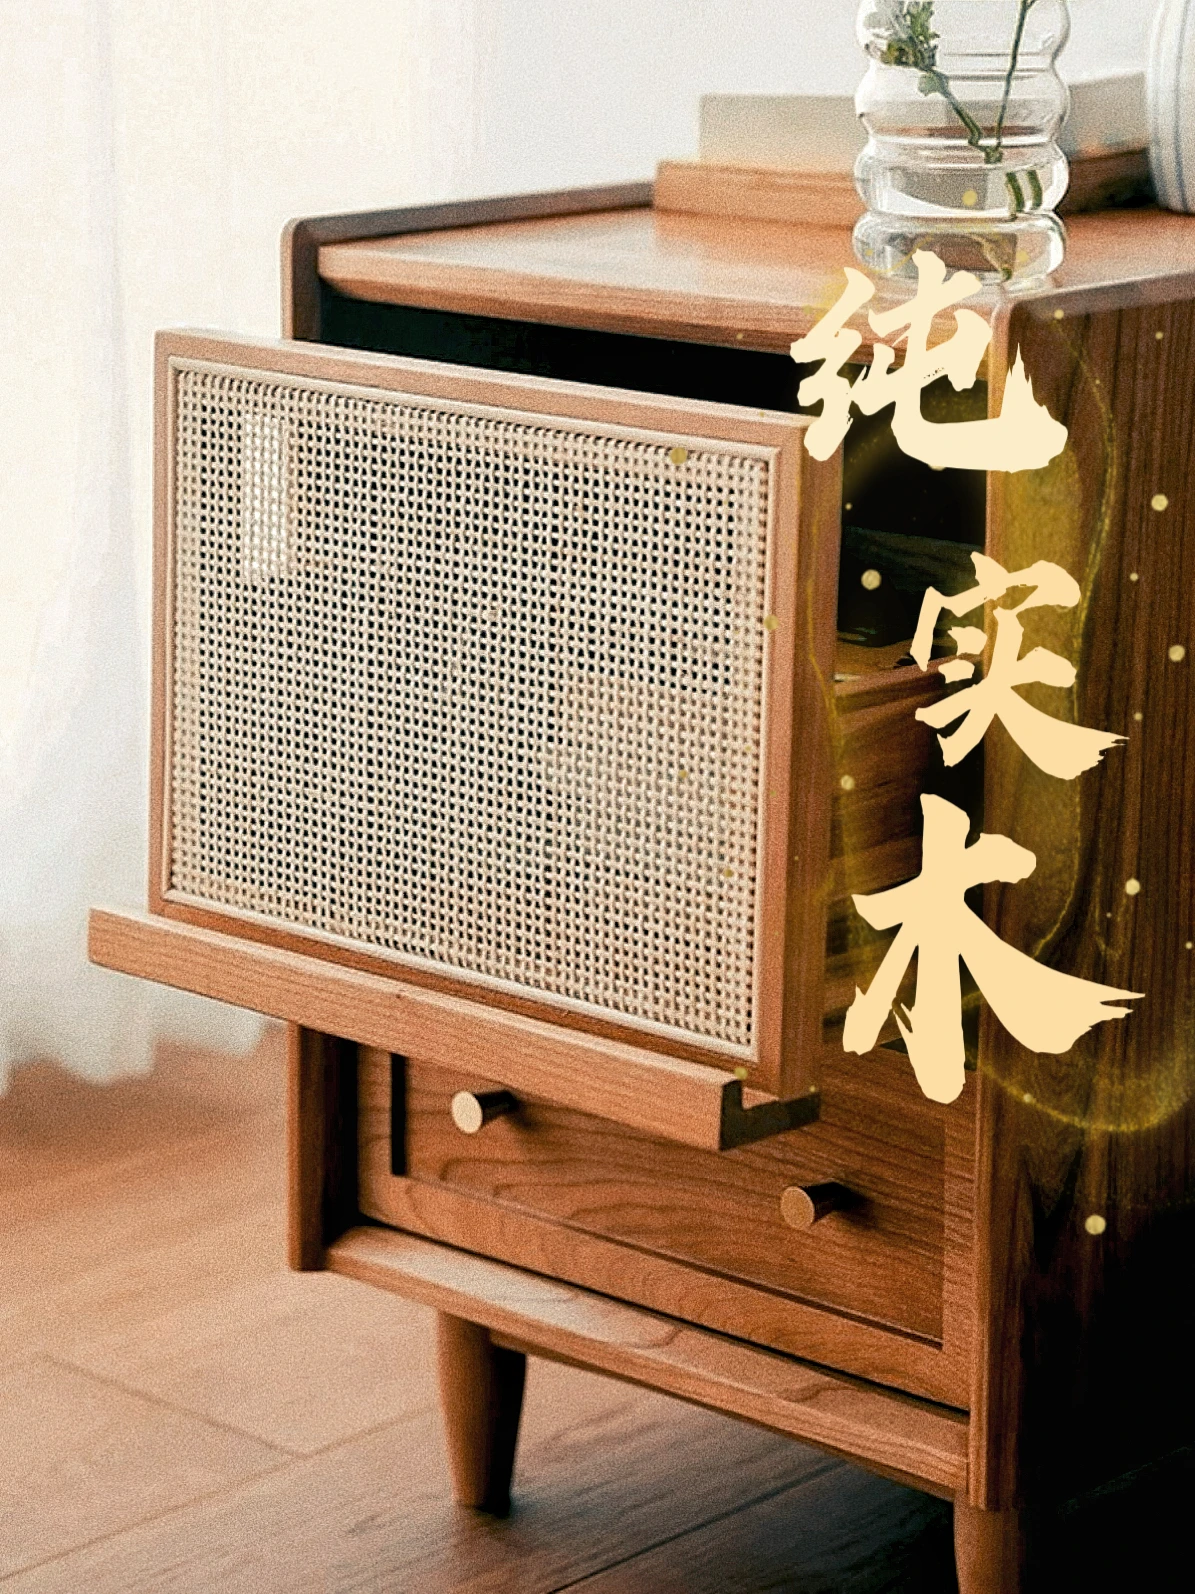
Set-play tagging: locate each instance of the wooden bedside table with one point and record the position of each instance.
(809, 1244)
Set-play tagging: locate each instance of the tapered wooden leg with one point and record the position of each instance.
(988, 1552)
(481, 1396)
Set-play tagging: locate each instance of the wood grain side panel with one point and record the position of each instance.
(1084, 1361)
(921, 1441)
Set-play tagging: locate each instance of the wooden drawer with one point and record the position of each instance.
(879, 1289)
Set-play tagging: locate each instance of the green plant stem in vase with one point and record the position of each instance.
(991, 64)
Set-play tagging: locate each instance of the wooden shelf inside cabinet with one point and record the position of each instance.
(669, 1097)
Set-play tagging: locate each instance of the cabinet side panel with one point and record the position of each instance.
(1085, 1189)
(321, 1143)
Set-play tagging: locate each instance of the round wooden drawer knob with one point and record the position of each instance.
(472, 1110)
(803, 1205)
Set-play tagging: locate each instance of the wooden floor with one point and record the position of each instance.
(180, 1413)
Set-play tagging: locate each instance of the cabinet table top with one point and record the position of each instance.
(698, 278)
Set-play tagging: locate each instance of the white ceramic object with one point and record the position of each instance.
(1170, 89)
(822, 132)
(806, 132)
(1107, 114)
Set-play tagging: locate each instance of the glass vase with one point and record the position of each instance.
(963, 106)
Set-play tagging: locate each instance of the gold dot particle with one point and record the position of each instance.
(1137, 715)
(871, 579)
(1177, 653)
(847, 783)
(1058, 314)
(682, 774)
(1159, 501)
(1190, 944)
(1027, 1097)
(1159, 336)
(1132, 888)
(738, 337)
(1095, 1224)
(740, 1072)
(728, 874)
(970, 198)
(769, 622)
(1133, 576)
(679, 455)
(848, 506)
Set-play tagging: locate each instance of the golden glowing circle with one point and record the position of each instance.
(871, 579)
(679, 455)
(769, 622)
(1177, 653)
(740, 1072)
(1159, 501)
(970, 198)
(1095, 1224)
(1058, 314)
(1137, 715)
(1133, 576)
(1132, 887)
(847, 783)
(1159, 336)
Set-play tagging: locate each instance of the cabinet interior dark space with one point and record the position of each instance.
(910, 524)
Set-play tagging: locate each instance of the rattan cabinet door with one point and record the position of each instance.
(511, 686)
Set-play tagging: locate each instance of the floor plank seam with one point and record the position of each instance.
(172, 1406)
(416, 1414)
(828, 1464)
(139, 1523)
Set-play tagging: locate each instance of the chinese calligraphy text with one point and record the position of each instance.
(1023, 436)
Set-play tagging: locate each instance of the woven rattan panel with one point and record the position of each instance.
(474, 688)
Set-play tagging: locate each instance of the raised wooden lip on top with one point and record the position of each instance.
(797, 663)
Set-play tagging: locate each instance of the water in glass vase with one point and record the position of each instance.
(963, 106)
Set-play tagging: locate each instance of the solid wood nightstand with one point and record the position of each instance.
(985, 1299)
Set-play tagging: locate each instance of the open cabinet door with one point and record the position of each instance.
(514, 690)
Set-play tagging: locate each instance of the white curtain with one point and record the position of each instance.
(150, 153)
